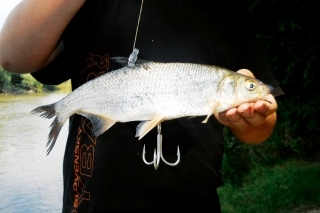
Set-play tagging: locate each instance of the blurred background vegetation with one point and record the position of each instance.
(21, 83)
(282, 174)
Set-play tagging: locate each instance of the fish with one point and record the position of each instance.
(152, 92)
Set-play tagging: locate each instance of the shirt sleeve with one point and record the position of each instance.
(54, 73)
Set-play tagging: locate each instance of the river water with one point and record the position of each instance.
(30, 181)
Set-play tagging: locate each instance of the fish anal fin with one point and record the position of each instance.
(101, 123)
(213, 108)
(145, 126)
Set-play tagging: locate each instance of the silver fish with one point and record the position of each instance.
(153, 92)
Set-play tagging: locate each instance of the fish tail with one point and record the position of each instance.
(55, 128)
(46, 111)
(49, 111)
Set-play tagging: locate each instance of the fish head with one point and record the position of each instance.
(248, 89)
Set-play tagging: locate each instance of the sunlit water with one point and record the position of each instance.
(30, 181)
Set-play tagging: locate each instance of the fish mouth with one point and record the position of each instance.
(270, 90)
(269, 86)
(265, 98)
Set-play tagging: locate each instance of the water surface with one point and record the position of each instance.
(30, 181)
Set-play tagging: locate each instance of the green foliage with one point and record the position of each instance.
(29, 82)
(236, 161)
(16, 79)
(16, 83)
(287, 35)
(65, 86)
(290, 40)
(5, 79)
(50, 87)
(273, 189)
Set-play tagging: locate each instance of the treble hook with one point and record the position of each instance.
(158, 153)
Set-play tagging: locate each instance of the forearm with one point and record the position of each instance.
(32, 31)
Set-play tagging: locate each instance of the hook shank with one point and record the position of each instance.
(158, 153)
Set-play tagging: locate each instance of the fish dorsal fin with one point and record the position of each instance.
(145, 126)
(123, 61)
(101, 123)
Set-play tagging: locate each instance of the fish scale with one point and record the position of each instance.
(153, 92)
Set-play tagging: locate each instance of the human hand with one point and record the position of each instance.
(247, 116)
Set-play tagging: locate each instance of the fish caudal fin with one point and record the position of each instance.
(48, 111)
(144, 127)
(101, 123)
(55, 128)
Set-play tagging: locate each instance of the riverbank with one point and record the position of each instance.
(27, 90)
(19, 90)
(16, 89)
(12, 83)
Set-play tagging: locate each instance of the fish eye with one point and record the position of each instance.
(250, 85)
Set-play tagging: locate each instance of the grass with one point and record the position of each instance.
(280, 188)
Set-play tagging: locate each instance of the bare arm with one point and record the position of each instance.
(29, 38)
(251, 122)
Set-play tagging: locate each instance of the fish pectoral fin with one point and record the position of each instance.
(145, 126)
(213, 108)
(101, 123)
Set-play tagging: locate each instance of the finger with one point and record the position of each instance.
(239, 124)
(246, 72)
(224, 117)
(252, 117)
(255, 120)
(232, 119)
(232, 115)
(266, 107)
(246, 109)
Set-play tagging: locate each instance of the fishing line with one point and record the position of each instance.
(158, 151)
(135, 38)
(134, 55)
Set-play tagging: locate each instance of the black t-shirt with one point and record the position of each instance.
(106, 173)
